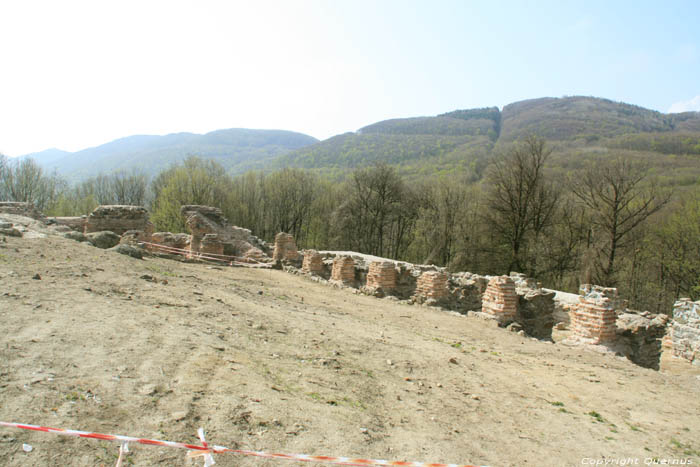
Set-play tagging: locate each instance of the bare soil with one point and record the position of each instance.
(267, 360)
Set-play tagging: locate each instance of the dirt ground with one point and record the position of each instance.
(272, 361)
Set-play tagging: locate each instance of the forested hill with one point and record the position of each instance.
(464, 139)
(234, 148)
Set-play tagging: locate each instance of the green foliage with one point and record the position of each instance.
(194, 182)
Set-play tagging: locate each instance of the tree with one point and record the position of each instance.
(520, 201)
(194, 182)
(377, 212)
(619, 199)
(24, 180)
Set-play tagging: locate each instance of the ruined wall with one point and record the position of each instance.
(431, 287)
(118, 219)
(500, 300)
(20, 209)
(593, 318)
(74, 223)
(536, 312)
(285, 248)
(181, 240)
(211, 245)
(381, 276)
(685, 330)
(466, 290)
(343, 270)
(313, 263)
(639, 337)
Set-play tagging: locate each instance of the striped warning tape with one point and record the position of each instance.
(206, 450)
(249, 262)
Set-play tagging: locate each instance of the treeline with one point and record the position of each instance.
(606, 223)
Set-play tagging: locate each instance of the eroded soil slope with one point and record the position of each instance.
(272, 361)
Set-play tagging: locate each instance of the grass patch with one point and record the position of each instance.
(557, 404)
(456, 345)
(634, 428)
(686, 449)
(598, 417)
(161, 271)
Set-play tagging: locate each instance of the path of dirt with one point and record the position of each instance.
(272, 361)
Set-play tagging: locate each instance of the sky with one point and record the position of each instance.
(76, 74)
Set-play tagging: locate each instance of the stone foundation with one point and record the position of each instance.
(685, 330)
(118, 219)
(343, 270)
(313, 263)
(382, 276)
(285, 248)
(500, 300)
(431, 287)
(593, 318)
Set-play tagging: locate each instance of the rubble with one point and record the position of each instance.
(104, 240)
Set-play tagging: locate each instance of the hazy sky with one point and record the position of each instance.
(76, 74)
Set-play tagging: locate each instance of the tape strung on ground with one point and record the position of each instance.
(249, 262)
(207, 450)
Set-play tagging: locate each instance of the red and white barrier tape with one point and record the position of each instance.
(208, 256)
(206, 451)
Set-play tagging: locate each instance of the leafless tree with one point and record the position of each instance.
(620, 199)
(520, 201)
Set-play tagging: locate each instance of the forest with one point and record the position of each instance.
(612, 220)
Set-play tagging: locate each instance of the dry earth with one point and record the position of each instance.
(272, 361)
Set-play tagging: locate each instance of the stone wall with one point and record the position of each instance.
(118, 219)
(20, 209)
(685, 330)
(285, 248)
(343, 270)
(431, 287)
(593, 318)
(500, 300)
(74, 223)
(466, 291)
(181, 240)
(536, 312)
(639, 337)
(313, 263)
(381, 276)
(211, 245)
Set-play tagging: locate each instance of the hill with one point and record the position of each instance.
(273, 361)
(233, 148)
(578, 127)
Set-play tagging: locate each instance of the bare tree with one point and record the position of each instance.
(619, 199)
(520, 201)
